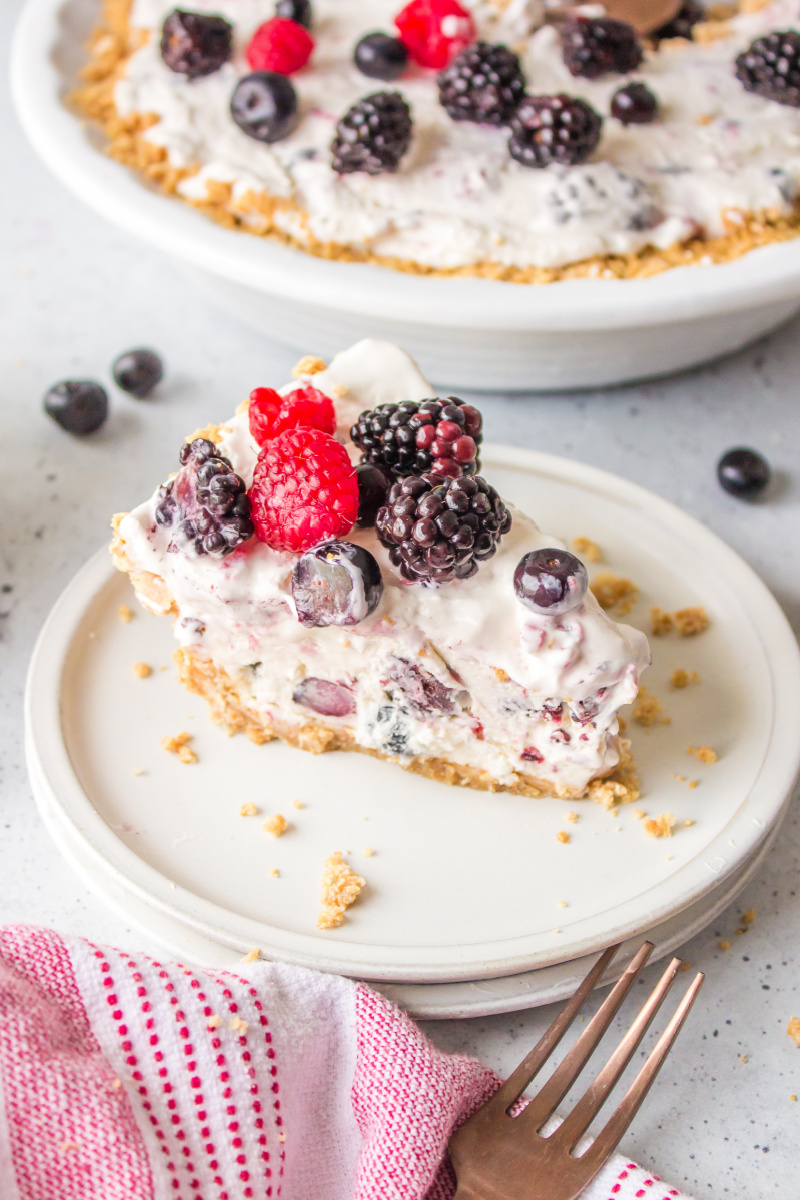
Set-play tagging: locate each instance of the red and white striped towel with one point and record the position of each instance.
(122, 1078)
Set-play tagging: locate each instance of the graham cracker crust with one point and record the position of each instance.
(114, 41)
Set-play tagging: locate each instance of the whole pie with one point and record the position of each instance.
(480, 137)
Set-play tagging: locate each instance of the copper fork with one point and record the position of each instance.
(498, 1156)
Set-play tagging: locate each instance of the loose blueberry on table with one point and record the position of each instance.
(550, 582)
(79, 406)
(138, 372)
(743, 472)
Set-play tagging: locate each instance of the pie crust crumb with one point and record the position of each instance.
(648, 710)
(661, 622)
(704, 753)
(660, 826)
(340, 888)
(563, 837)
(276, 825)
(141, 670)
(179, 746)
(615, 592)
(126, 614)
(251, 955)
(585, 548)
(691, 621)
(309, 364)
(681, 679)
(248, 809)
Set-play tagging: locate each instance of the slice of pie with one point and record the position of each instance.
(342, 577)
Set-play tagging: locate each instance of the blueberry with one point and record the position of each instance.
(78, 405)
(634, 104)
(137, 372)
(380, 56)
(295, 10)
(550, 582)
(743, 473)
(337, 583)
(264, 106)
(372, 488)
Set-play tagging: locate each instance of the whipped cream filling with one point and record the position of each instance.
(462, 672)
(459, 198)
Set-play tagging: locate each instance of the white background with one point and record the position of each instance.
(74, 293)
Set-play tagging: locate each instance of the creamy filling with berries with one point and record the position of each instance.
(458, 198)
(461, 672)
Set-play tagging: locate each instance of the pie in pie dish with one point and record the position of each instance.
(341, 576)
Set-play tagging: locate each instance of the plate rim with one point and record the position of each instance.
(764, 275)
(59, 785)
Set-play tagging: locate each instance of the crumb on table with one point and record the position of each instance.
(309, 364)
(661, 622)
(793, 1030)
(681, 679)
(179, 745)
(648, 710)
(660, 826)
(276, 825)
(693, 783)
(687, 824)
(141, 670)
(585, 548)
(638, 814)
(724, 945)
(251, 955)
(126, 614)
(248, 809)
(749, 916)
(368, 852)
(704, 753)
(613, 591)
(298, 804)
(563, 837)
(340, 887)
(573, 817)
(691, 621)
(275, 873)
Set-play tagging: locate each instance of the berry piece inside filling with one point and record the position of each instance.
(304, 491)
(206, 504)
(77, 405)
(435, 31)
(324, 697)
(742, 472)
(550, 582)
(264, 106)
(337, 583)
(379, 56)
(195, 44)
(269, 413)
(281, 45)
(138, 372)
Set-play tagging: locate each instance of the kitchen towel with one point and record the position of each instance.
(123, 1078)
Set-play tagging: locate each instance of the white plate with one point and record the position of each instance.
(463, 885)
(466, 333)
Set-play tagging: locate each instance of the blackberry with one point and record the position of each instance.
(77, 405)
(484, 83)
(412, 437)
(634, 104)
(770, 67)
(681, 25)
(373, 135)
(593, 46)
(553, 129)
(206, 504)
(439, 529)
(195, 44)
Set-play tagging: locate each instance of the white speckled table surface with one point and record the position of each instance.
(75, 292)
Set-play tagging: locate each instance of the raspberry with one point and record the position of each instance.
(594, 45)
(280, 45)
(305, 408)
(435, 31)
(410, 437)
(553, 129)
(304, 491)
(439, 529)
(770, 67)
(373, 135)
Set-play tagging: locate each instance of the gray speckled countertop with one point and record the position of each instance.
(75, 292)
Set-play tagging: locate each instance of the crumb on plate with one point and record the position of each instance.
(688, 822)
(179, 745)
(691, 621)
(681, 679)
(573, 817)
(749, 916)
(248, 809)
(251, 955)
(368, 852)
(585, 548)
(275, 873)
(660, 826)
(793, 1030)
(563, 837)
(661, 622)
(615, 592)
(141, 670)
(126, 614)
(298, 804)
(648, 710)
(340, 887)
(704, 753)
(276, 825)
(724, 945)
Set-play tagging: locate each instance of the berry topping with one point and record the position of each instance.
(484, 83)
(270, 413)
(771, 67)
(304, 491)
(337, 583)
(323, 696)
(438, 529)
(634, 104)
(550, 582)
(435, 31)
(296, 10)
(77, 405)
(743, 472)
(553, 129)
(681, 25)
(373, 485)
(380, 56)
(373, 135)
(206, 504)
(264, 106)
(412, 437)
(595, 45)
(280, 45)
(195, 44)
(138, 372)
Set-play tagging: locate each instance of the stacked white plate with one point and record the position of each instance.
(473, 905)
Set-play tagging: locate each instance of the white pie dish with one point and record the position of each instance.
(463, 885)
(467, 332)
